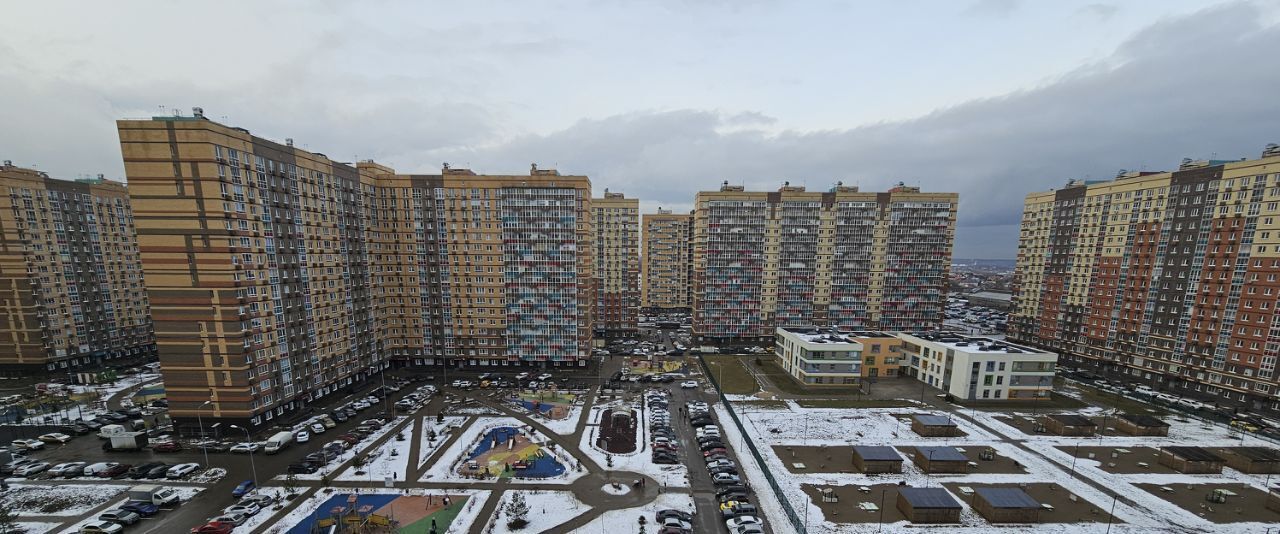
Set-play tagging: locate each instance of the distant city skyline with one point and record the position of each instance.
(991, 99)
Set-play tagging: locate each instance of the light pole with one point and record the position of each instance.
(200, 420)
(252, 466)
(1073, 459)
(1112, 515)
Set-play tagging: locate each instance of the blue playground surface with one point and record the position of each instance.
(542, 407)
(541, 463)
(324, 511)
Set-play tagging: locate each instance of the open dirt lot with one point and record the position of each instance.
(1064, 510)
(1248, 505)
(1125, 462)
(847, 511)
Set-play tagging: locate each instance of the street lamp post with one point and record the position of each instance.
(200, 420)
(252, 465)
(1112, 515)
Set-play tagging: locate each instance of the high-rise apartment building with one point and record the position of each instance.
(280, 276)
(1165, 278)
(71, 285)
(488, 269)
(616, 224)
(667, 261)
(842, 258)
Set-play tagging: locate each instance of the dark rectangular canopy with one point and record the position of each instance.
(1193, 454)
(934, 420)
(944, 454)
(1070, 419)
(922, 498)
(1143, 420)
(1007, 497)
(877, 453)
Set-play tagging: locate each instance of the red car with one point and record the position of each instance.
(114, 471)
(214, 527)
(168, 446)
(715, 451)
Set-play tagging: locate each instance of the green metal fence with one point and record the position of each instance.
(792, 516)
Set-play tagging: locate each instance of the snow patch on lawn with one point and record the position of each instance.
(348, 454)
(62, 500)
(547, 509)
(429, 424)
(389, 460)
(640, 461)
(625, 519)
(37, 528)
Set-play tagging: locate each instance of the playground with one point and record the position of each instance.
(659, 365)
(375, 513)
(551, 405)
(506, 452)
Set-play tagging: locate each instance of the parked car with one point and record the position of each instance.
(317, 428)
(244, 508)
(31, 469)
(167, 446)
(245, 448)
(181, 470)
(243, 488)
(27, 444)
(101, 527)
(120, 516)
(141, 470)
(230, 519)
(144, 509)
(65, 469)
(54, 437)
(114, 471)
(302, 436)
(689, 384)
(743, 520)
(213, 527)
(303, 468)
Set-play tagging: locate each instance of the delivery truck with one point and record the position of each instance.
(278, 442)
(154, 494)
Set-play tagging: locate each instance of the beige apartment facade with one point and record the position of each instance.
(281, 277)
(667, 261)
(71, 285)
(616, 224)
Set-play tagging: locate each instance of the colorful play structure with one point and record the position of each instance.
(350, 513)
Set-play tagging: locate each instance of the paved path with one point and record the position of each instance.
(587, 488)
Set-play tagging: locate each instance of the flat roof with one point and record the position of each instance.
(1257, 454)
(877, 453)
(991, 295)
(1194, 454)
(921, 498)
(933, 420)
(1071, 419)
(814, 335)
(944, 454)
(975, 344)
(1143, 419)
(1007, 498)
(868, 333)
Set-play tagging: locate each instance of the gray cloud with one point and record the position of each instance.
(1189, 87)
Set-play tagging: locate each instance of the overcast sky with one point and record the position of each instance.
(991, 98)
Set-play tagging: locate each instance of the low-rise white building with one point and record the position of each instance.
(815, 356)
(979, 368)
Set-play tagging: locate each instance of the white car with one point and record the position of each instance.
(100, 527)
(94, 469)
(60, 469)
(181, 470)
(689, 384)
(28, 444)
(245, 447)
(55, 437)
(743, 521)
(544, 376)
(317, 428)
(302, 436)
(520, 377)
(31, 469)
(234, 519)
(247, 508)
(725, 478)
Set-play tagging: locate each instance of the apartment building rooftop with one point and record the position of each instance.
(974, 344)
(815, 335)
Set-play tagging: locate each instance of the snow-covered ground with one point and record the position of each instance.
(564, 426)
(352, 452)
(625, 519)
(389, 460)
(62, 500)
(1046, 464)
(640, 461)
(36, 528)
(547, 509)
(427, 447)
(445, 469)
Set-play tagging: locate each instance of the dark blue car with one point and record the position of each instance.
(244, 487)
(142, 508)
